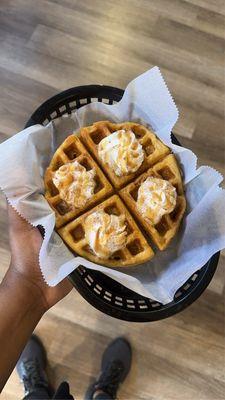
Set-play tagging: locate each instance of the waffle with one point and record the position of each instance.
(154, 149)
(137, 249)
(70, 150)
(158, 162)
(163, 232)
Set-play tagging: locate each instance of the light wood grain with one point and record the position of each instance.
(50, 45)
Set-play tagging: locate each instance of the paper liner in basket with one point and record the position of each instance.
(146, 100)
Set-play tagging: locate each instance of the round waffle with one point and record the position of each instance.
(116, 195)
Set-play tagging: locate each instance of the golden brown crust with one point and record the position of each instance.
(70, 150)
(158, 162)
(163, 232)
(137, 250)
(153, 148)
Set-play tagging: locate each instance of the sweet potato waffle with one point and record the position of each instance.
(158, 162)
(163, 232)
(72, 149)
(153, 148)
(137, 249)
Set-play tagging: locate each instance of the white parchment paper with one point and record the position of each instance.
(25, 156)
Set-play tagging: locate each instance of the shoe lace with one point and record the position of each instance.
(110, 379)
(32, 376)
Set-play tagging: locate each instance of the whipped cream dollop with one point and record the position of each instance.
(122, 152)
(75, 184)
(156, 197)
(105, 233)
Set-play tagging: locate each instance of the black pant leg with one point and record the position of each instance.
(103, 396)
(39, 393)
(63, 392)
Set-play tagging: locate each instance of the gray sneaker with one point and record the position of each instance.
(116, 363)
(31, 367)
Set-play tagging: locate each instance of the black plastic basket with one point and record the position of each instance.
(99, 290)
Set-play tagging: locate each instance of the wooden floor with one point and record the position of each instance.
(48, 46)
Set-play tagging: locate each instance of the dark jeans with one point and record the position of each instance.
(62, 393)
(41, 393)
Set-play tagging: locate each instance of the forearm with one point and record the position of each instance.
(20, 312)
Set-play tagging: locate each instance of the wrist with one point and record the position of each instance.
(26, 293)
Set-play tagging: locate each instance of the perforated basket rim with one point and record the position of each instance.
(59, 105)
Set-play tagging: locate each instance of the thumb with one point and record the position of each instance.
(15, 220)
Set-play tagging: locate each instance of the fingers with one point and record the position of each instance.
(16, 222)
(18, 226)
(63, 288)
